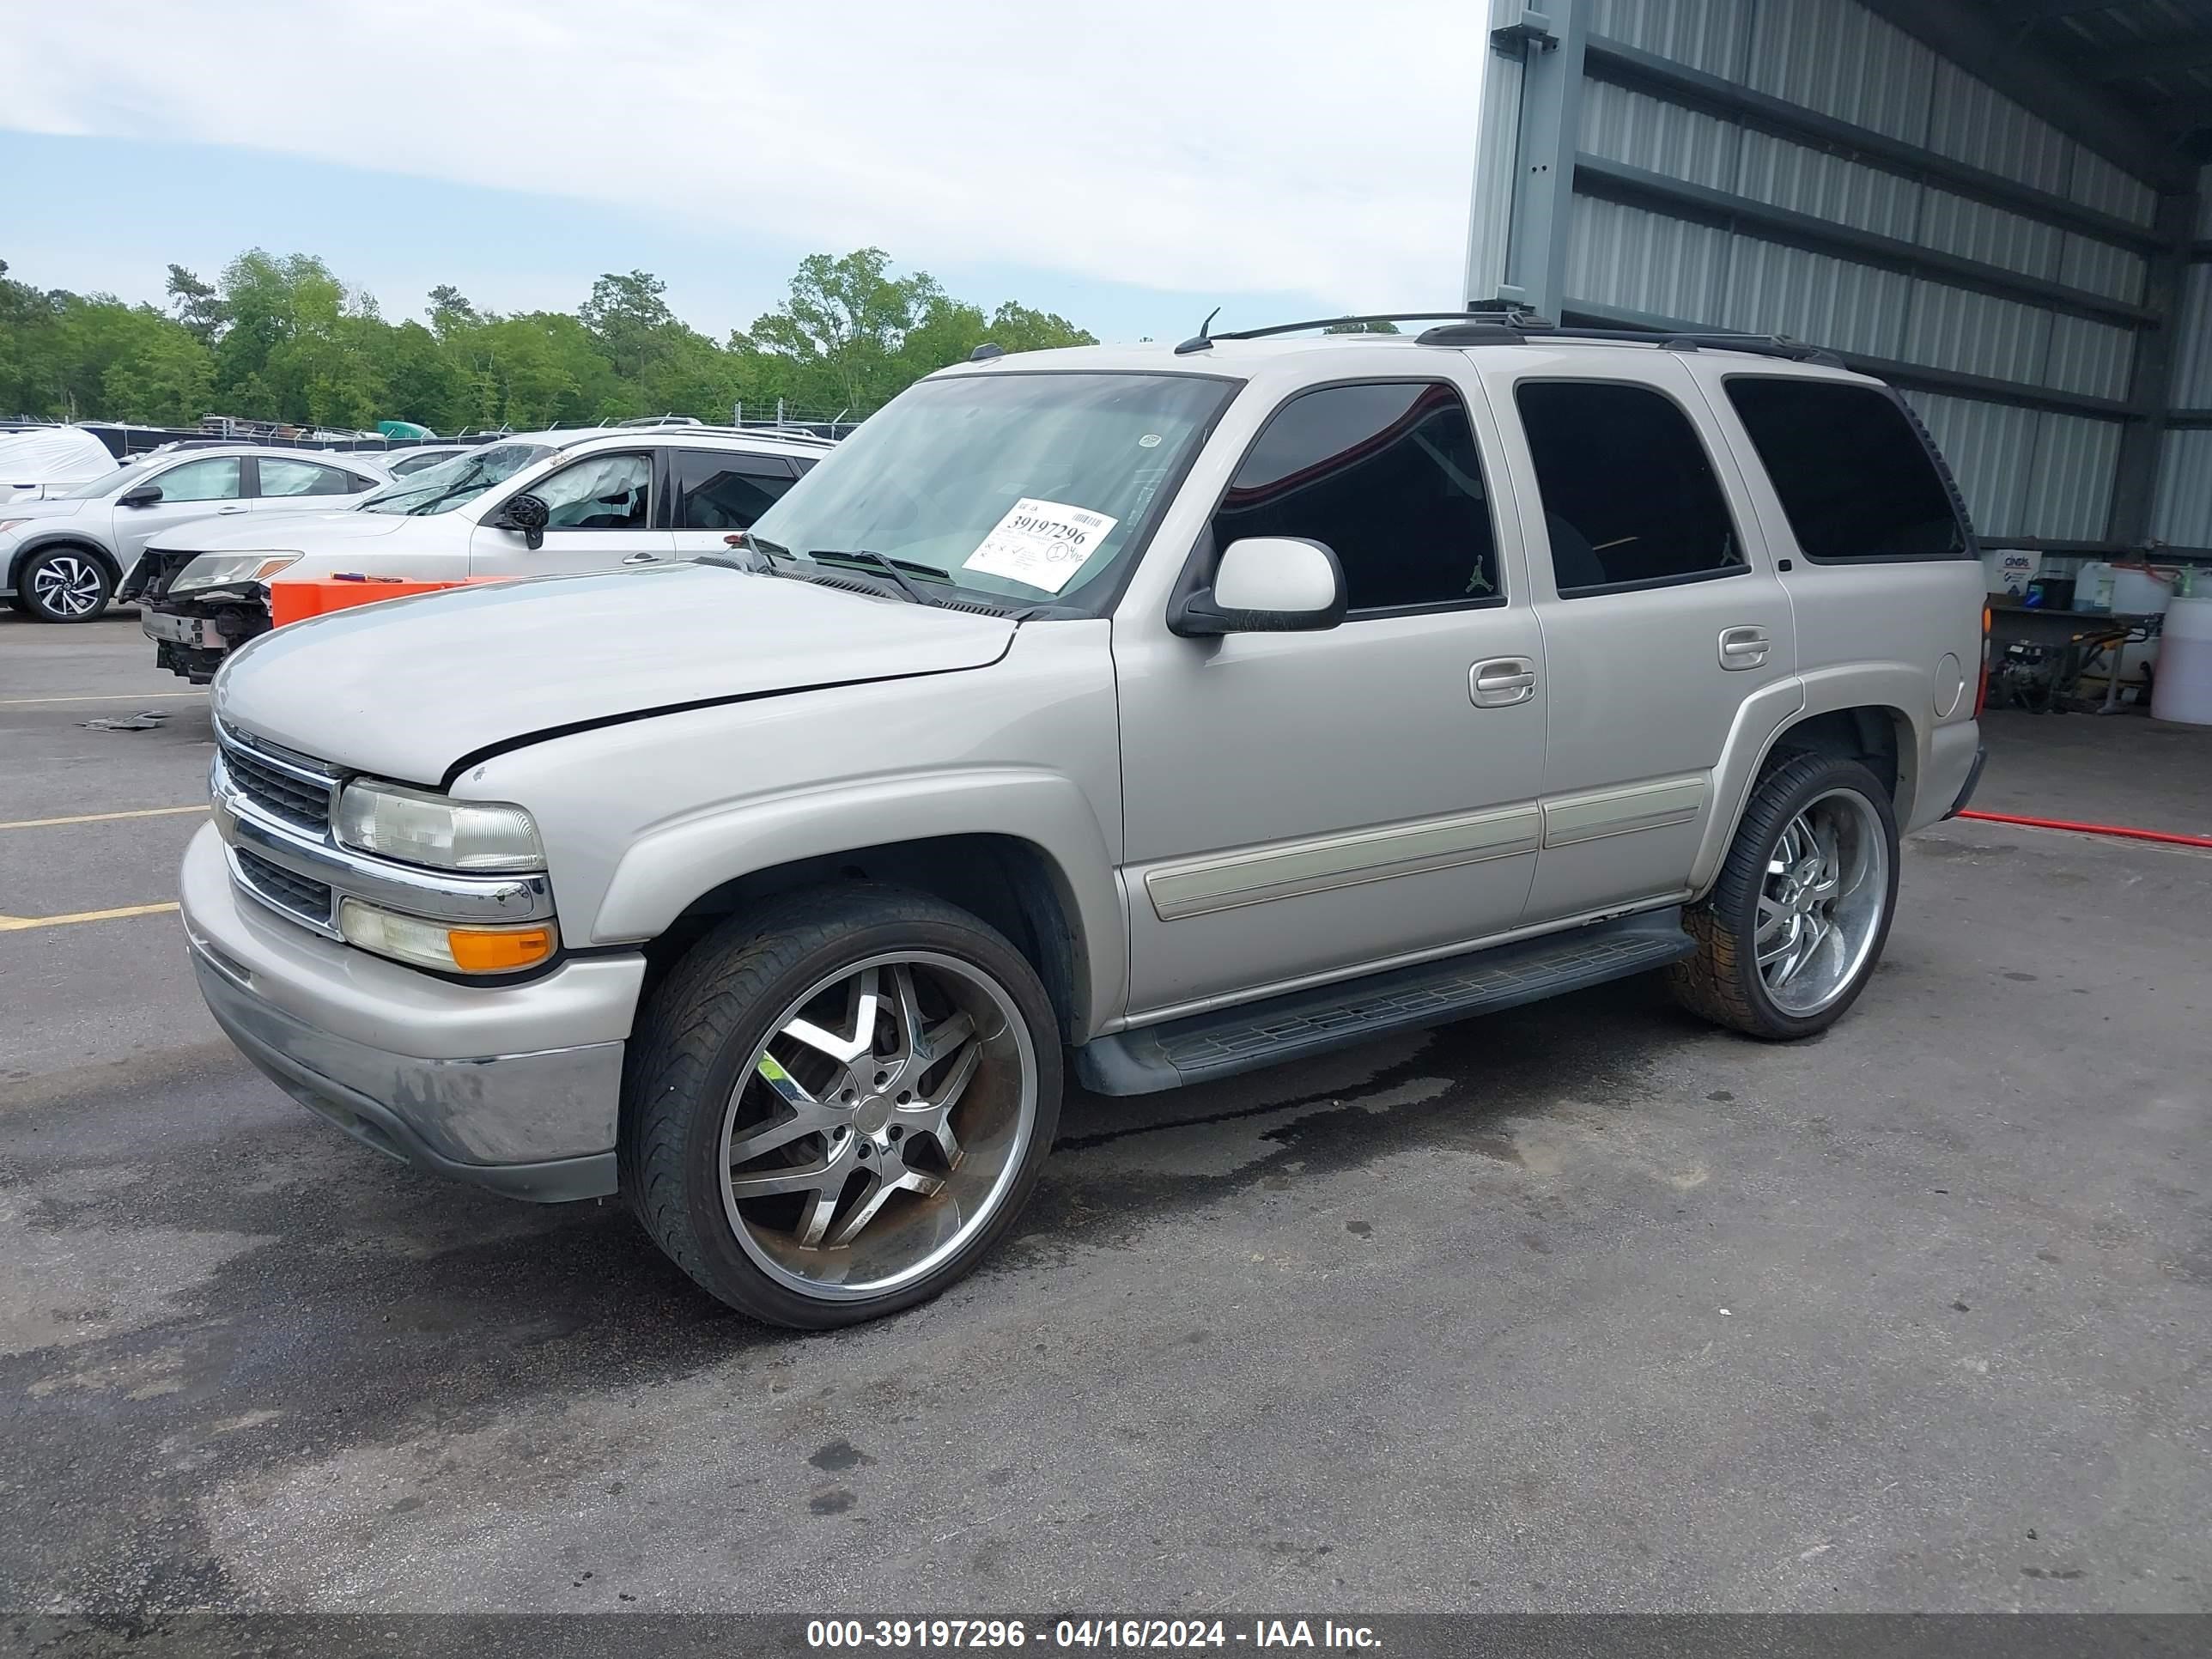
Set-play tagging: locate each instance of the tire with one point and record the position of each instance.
(735, 1130)
(64, 585)
(1815, 864)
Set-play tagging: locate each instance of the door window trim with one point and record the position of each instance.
(1969, 545)
(1204, 556)
(249, 473)
(762, 465)
(1643, 584)
(658, 470)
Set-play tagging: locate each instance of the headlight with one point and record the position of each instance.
(221, 570)
(448, 834)
(449, 948)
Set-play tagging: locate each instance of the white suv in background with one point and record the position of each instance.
(62, 554)
(536, 504)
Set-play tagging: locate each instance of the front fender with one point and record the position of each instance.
(662, 872)
(37, 541)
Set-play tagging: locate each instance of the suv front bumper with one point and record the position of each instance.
(512, 1087)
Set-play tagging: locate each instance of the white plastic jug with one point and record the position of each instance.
(2139, 590)
(2093, 586)
(2183, 688)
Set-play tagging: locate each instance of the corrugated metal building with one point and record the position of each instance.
(1997, 204)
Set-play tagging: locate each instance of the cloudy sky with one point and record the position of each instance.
(1129, 165)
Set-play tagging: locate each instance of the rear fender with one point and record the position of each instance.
(1764, 721)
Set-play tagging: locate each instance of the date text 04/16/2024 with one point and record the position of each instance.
(1163, 1634)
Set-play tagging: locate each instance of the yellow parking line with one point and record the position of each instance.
(102, 818)
(16, 924)
(105, 696)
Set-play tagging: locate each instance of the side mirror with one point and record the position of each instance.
(527, 514)
(1266, 585)
(144, 495)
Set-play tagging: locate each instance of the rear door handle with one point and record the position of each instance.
(1502, 682)
(642, 558)
(1744, 647)
(222, 510)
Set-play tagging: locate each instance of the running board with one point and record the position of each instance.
(1202, 1046)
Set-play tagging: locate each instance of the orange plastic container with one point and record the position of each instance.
(295, 601)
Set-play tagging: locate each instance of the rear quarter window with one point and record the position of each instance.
(1855, 478)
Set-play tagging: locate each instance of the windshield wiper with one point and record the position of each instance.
(891, 568)
(422, 507)
(744, 542)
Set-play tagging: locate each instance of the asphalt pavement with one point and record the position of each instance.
(1584, 1306)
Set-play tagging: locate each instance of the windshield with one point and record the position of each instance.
(1025, 487)
(107, 483)
(442, 488)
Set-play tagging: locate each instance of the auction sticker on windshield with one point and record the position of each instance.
(1040, 543)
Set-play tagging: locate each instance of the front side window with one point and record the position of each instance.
(282, 477)
(1630, 495)
(1025, 488)
(214, 479)
(1387, 477)
(607, 492)
(456, 482)
(1854, 478)
(726, 492)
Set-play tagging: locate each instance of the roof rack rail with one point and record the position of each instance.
(1511, 325)
(1672, 339)
(1507, 316)
(794, 435)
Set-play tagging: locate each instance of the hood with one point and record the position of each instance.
(38, 507)
(285, 533)
(407, 689)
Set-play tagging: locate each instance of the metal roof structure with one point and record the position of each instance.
(1995, 204)
(2155, 55)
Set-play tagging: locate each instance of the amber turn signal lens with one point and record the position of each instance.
(500, 951)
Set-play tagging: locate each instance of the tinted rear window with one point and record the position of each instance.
(1854, 477)
(1630, 495)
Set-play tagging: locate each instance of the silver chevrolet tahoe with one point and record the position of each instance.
(1151, 714)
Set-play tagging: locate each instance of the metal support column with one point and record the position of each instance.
(2134, 483)
(1549, 45)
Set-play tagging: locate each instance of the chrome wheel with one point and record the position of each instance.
(880, 1125)
(67, 586)
(1820, 906)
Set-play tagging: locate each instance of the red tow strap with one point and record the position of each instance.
(2121, 830)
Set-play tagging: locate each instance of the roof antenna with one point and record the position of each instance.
(1200, 341)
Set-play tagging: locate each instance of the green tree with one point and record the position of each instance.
(839, 330)
(631, 320)
(197, 305)
(450, 309)
(167, 379)
(31, 375)
(851, 336)
(281, 337)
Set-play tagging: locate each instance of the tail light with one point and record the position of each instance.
(1982, 687)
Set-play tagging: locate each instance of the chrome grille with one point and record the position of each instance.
(275, 885)
(278, 790)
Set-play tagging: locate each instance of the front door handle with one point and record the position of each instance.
(1502, 682)
(642, 558)
(220, 511)
(1744, 647)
